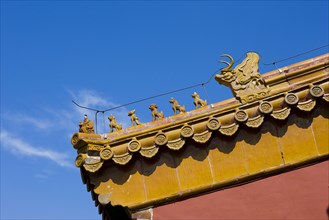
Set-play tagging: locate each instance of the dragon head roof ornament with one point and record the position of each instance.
(244, 80)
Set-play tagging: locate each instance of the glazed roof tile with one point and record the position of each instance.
(299, 86)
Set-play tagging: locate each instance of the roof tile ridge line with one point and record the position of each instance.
(201, 116)
(272, 77)
(196, 118)
(164, 126)
(290, 103)
(325, 56)
(320, 58)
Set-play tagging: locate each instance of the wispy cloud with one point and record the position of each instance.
(18, 146)
(23, 119)
(49, 119)
(61, 122)
(91, 99)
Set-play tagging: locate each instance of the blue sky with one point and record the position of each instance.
(102, 54)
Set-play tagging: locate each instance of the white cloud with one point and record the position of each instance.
(67, 119)
(91, 99)
(18, 146)
(63, 122)
(21, 119)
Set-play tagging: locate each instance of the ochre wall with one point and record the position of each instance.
(299, 194)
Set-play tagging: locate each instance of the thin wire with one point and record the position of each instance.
(205, 91)
(189, 87)
(211, 77)
(152, 97)
(92, 109)
(148, 98)
(104, 122)
(297, 55)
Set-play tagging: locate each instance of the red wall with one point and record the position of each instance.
(299, 194)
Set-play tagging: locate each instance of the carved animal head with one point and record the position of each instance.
(172, 100)
(111, 117)
(153, 107)
(132, 112)
(195, 95)
(227, 74)
(229, 65)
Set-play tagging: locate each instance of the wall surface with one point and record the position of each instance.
(299, 194)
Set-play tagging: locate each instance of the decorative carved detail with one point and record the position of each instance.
(92, 164)
(265, 107)
(87, 126)
(241, 116)
(229, 130)
(213, 124)
(93, 147)
(176, 144)
(79, 161)
(134, 145)
(187, 131)
(244, 80)
(106, 153)
(281, 114)
(198, 101)
(291, 99)
(326, 97)
(161, 139)
(316, 91)
(176, 107)
(149, 151)
(307, 105)
(133, 118)
(122, 159)
(74, 139)
(155, 113)
(113, 124)
(202, 137)
(255, 122)
(253, 96)
(93, 167)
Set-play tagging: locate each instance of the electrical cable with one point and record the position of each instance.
(297, 55)
(193, 86)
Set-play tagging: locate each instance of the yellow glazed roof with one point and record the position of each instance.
(297, 86)
(253, 135)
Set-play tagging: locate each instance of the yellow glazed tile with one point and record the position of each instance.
(160, 177)
(262, 150)
(194, 169)
(297, 143)
(120, 185)
(227, 158)
(321, 134)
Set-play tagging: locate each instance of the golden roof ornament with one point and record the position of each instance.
(198, 101)
(244, 80)
(133, 118)
(86, 126)
(113, 124)
(176, 107)
(155, 113)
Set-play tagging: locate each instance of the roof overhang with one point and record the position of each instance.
(212, 147)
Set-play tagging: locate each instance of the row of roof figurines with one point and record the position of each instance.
(87, 126)
(242, 80)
